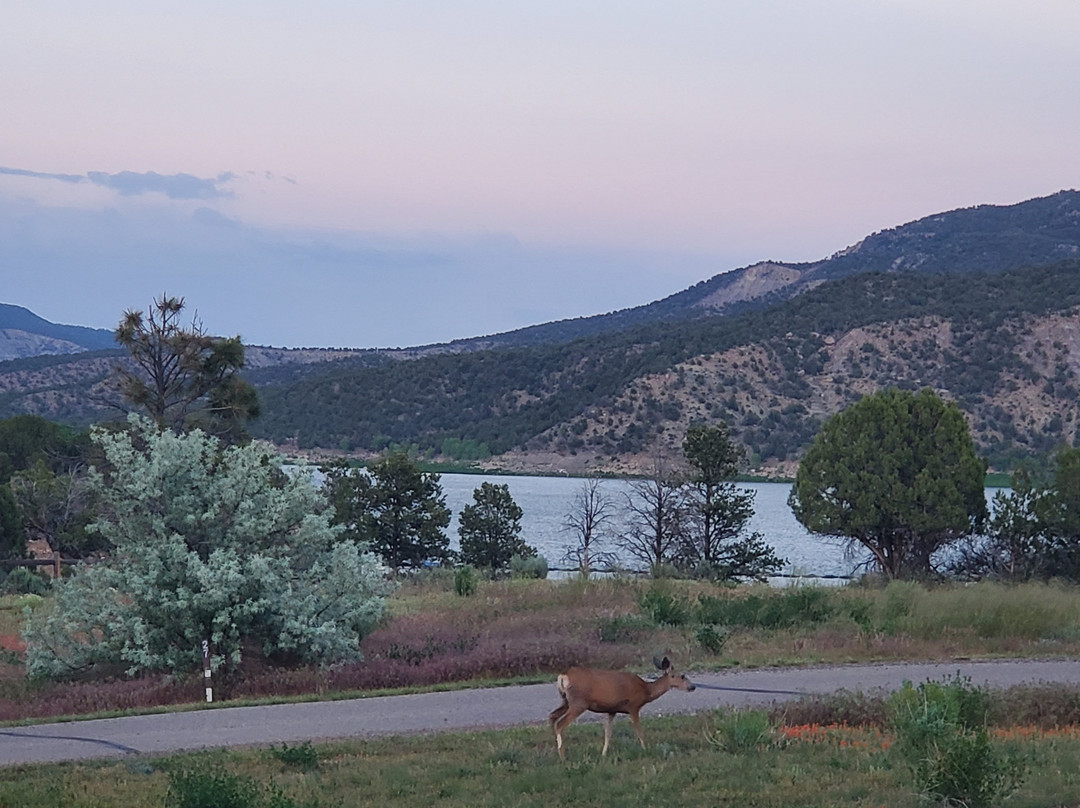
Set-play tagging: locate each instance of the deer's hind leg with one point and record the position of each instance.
(559, 712)
(609, 719)
(568, 714)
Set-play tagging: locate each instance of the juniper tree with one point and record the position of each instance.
(490, 529)
(896, 474)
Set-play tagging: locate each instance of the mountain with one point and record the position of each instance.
(985, 238)
(977, 303)
(23, 334)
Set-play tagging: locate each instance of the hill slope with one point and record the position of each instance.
(986, 238)
(23, 334)
(964, 302)
(1006, 346)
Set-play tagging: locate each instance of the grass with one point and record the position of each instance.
(803, 765)
(823, 751)
(522, 630)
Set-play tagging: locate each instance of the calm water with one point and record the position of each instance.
(545, 502)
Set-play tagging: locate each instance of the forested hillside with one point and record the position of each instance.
(1005, 345)
(976, 303)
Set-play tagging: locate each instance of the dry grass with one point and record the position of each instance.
(528, 630)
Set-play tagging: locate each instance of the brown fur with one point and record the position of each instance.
(609, 693)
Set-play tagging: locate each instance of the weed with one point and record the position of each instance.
(211, 788)
(664, 608)
(711, 638)
(465, 581)
(625, 628)
(941, 733)
(305, 756)
(743, 731)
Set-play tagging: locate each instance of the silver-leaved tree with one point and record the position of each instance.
(212, 542)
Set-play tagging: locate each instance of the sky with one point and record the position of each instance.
(346, 173)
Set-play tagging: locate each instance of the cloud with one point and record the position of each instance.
(133, 183)
(40, 175)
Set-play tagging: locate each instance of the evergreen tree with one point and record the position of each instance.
(393, 506)
(490, 529)
(184, 378)
(895, 473)
(12, 536)
(714, 540)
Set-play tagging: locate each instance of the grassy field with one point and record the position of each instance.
(531, 630)
(818, 752)
(684, 766)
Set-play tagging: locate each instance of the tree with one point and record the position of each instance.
(56, 508)
(714, 538)
(590, 520)
(490, 529)
(1035, 528)
(895, 473)
(394, 507)
(12, 535)
(213, 543)
(655, 517)
(184, 378)
(1060, 510)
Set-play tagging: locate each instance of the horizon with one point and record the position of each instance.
(357, 175)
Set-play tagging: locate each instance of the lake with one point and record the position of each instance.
(545, 502)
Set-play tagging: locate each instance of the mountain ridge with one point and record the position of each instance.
(976, 304)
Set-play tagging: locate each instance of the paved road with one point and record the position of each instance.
(467, 709)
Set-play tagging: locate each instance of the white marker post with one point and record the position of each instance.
(206, 669)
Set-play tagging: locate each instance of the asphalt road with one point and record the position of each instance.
(465, 710)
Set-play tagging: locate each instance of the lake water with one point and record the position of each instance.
(545, 502)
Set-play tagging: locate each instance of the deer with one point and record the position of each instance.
(610, 693)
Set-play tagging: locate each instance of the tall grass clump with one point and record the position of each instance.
(987, 609)
(743, 731)
(941, 733)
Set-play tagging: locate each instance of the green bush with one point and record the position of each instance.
(941, 734)
(790, 607)
(711, 638)
(465, 581)
(743, 731)
(305, 756)
(528, 567)
(211, 788)
(22, 581)
(664, 608)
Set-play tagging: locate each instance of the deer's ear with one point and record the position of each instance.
(663, 664)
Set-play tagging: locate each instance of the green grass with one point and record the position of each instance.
(683, 766)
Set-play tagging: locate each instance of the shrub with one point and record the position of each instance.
(211, 788)
(625, 628)
(711, 638)
(941, 733)
(465, 581)
(305, 756)
(743, 731)
(791, 607)
(21, 581)
(664, 608)
(529, 567)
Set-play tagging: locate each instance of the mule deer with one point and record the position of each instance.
(610, 692)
